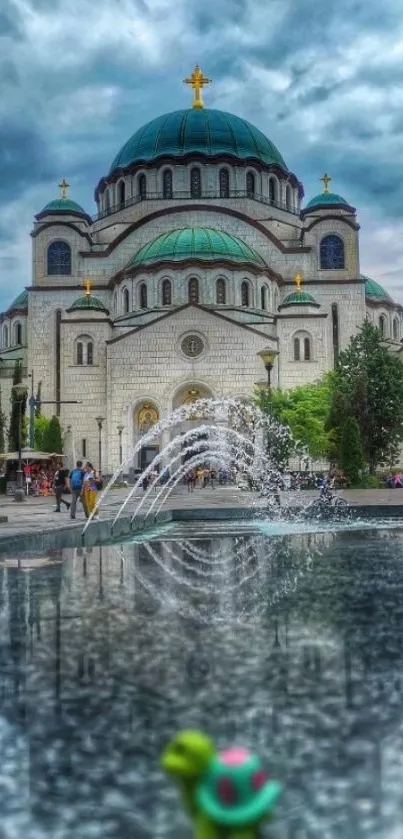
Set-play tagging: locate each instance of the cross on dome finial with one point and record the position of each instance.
(197, 81)
(88, 288)
(326, 181)
(298, 281)
(63, 188)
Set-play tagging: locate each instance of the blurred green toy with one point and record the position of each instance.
(228, 794)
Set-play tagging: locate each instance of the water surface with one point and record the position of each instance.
(289, 644)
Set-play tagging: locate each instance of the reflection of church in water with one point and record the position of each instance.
(88, 649)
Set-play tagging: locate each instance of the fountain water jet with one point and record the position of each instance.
(228, 416)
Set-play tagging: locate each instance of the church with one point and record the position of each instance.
(201, 255)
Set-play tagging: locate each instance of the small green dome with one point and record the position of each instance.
(88, 302)
(298, 298)
(203, 131)
(20, 302)
(326, 199)
(374, 291)
(201, 243)
(63, 205)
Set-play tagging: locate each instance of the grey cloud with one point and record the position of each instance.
(24, 159)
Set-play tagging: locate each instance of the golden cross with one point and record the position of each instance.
(298, 281)
(326, 181)
(63, 188)
(88, 288)
(197, 81)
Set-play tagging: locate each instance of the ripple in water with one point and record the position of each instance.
(290, 645)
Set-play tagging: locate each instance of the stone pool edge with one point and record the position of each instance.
(101, 531)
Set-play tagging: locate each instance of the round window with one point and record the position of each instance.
(192, 346)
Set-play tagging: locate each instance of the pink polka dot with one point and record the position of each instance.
(234, 756)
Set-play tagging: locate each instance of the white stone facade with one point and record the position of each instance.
(135, 357)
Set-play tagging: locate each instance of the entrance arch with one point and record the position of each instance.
(145, 416)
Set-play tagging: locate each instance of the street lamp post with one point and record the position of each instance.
(100, 421)
(268, 357)
(20, 393)
(119, 430)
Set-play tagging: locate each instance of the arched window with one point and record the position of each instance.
(143, 296)
(288, 197)
(193, 290)
(395, 329)
(302, 347)
(382, 325)
(195, 182)
(59, 258)
(224, 183)
(107, 200)
(126, 300)
(272, 189)
(331, 252)
(121, 194)
(245, 294)
(263, 297)
(142, 186)
(250, 184)
(17, 334)
(167, 184)
(5, 336)
(84, 352)
(220, 295)
(115, 302)
(166, 293)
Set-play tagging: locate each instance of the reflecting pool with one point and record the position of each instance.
(291, 644)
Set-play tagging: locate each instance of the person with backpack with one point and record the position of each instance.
(76, 479)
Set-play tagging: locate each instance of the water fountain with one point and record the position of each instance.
(226, 433)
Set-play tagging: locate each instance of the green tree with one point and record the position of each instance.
(351, 458)
(41, 425)
(52, 437)
(2, 427)
(38, 404)
(304, 410)
(16, 416)
(368, 386)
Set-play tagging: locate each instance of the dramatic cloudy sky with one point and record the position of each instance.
(322, 79)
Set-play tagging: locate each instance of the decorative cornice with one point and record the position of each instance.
(326, 217)
(226, 211)
(105, 320)
(44, 213)
(82, 233)
(326, 282)
(302, 316)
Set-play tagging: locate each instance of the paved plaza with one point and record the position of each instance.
(37, 514)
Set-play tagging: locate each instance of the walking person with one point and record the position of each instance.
(60, 485)
(91, 484)
(76, 479)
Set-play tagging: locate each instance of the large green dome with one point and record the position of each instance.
(206, 132)
(200, 243)
(374, 291)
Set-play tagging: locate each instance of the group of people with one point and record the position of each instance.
(82, 483)
(205, 476)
